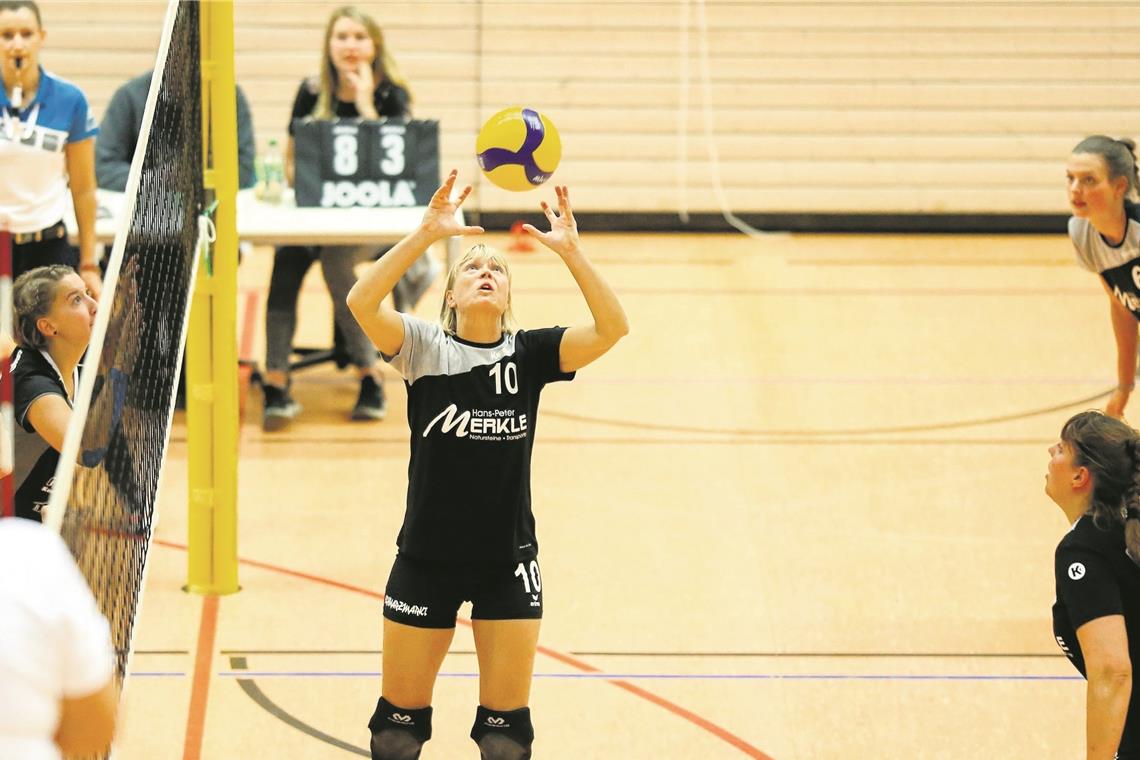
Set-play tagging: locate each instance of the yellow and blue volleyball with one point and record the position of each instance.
(518, 148)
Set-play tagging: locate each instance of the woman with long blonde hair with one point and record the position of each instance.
(358, 79)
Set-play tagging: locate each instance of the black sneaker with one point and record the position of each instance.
(370, 404)
(279, 409)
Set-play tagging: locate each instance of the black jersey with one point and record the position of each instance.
(1118, 265)
(472, 410)
(391, 101)
(35, 375)
(1096, 578)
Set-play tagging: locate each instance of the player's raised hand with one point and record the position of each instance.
(1116, 403)
(439, 219)
(563, 235)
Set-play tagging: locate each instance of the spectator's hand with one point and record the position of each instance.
(364, 84)
(439, 220)
(1116, 402)
(563, 235)
(94, 282)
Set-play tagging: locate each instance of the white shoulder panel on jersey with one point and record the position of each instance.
(1095, 254)
(429, 351)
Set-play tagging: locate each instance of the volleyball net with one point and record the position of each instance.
(104, 493)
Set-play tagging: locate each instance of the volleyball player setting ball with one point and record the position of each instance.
(473, 384)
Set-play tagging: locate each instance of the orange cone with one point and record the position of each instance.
(520, 241)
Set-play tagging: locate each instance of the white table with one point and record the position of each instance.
(284, 223)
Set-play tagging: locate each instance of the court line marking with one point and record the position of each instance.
(254, 692)
(721, 441)
(823, 433)
(778, 655)
(606, 676)
(671, 707)
(200, 688)
(930, 262)
(854, 292)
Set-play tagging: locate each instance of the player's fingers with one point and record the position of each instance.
(532, 230)
(546, 209)
(566, 203)
(448, 183)
(463, 195)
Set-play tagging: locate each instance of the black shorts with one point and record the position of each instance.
(40, 254)
(428, 594)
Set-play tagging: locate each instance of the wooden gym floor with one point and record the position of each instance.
(797, 513)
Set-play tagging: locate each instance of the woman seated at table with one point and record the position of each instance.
(358, 79)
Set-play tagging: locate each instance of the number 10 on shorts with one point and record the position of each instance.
(532, 580)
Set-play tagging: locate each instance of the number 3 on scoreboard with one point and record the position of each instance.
(392, 165)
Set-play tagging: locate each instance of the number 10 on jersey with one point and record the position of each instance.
(508, 376)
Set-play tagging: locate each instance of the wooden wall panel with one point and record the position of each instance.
(816, 106)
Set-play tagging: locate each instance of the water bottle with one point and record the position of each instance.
(272, 174)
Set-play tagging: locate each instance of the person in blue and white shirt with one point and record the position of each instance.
(47, 149)
(469, 532)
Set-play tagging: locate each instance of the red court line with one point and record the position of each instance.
(245, 349)
(573, 662)
(200, 691)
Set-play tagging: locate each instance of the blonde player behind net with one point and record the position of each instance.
(473, 387)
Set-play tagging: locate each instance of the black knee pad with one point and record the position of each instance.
(503, 735)
(398, 734)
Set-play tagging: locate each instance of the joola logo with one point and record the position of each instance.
(484, 425)
(400, 718)
(494, 722)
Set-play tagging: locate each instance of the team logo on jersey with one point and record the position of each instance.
(1128, 300)
(1076, 571)
(480, 424)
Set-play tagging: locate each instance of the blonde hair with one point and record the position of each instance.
(447, 316)
(383, 65)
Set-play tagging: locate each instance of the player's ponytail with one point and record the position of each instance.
(1132, 504)
(1108, 448)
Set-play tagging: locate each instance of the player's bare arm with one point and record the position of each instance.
(584, 343)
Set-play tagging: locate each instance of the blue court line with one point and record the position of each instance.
(677, 676)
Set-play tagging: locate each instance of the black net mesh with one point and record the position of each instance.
(110, 507)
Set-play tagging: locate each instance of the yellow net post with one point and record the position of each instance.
(211, 353)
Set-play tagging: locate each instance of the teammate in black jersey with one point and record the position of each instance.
(468, 534)
(54, 314)
(1105, 230)
(1094, 476)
